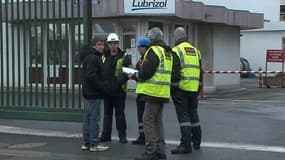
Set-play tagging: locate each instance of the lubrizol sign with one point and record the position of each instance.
(149, 6)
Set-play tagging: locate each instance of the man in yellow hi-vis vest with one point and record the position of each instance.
(142, 46)
(185, 92)
(153, 84)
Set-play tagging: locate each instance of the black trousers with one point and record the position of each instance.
(140, 110)
(186, 105)
(116, 103)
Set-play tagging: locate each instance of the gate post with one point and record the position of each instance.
(260, 77)
(87, 21)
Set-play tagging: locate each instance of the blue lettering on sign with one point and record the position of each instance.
(150, 4)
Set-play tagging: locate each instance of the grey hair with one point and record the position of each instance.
(180, 33)
(155, 34)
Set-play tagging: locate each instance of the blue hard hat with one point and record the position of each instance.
(144, 41)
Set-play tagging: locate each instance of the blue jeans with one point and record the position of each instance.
(91, 121)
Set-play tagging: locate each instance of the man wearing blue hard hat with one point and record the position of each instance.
(142, 45)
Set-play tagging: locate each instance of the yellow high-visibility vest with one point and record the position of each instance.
(159, 84)
(190, 66)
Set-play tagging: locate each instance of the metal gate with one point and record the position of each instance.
(39, 58)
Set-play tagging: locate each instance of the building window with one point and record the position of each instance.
(155, 24)
(58, 44)
(283, 43)
(184, 26)
(36, 45)
(282, 12)
(282, 17)
(129, 35)
(77, 33)
(103, 29)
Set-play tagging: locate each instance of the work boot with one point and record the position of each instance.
(196, 146)
(123, 140)
(146, 156)
(181, 150)
(105, 138)
(139, 140)
(161, 156)
(196, 137)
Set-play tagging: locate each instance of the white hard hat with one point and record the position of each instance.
(112, 37)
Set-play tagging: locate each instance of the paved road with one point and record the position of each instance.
(239, 125)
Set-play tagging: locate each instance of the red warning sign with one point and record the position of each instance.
(275, 56)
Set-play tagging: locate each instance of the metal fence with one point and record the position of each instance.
(39, 53)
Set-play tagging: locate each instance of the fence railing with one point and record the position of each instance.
(39, 53)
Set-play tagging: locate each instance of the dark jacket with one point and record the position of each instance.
(139, 63)
(92, 73)
(149, 67)
(113, 84)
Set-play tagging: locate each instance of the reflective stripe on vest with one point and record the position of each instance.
(159, 84)
(103, 58)
(119, 71)
(190, 66)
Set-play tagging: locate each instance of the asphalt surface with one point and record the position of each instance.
(242, 124)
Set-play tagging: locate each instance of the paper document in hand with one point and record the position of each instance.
(129, 70)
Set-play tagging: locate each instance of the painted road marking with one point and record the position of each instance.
(26, 154)
(27, 145)
(222, 145)
(249, 147)
(244, 100)
(37, 132)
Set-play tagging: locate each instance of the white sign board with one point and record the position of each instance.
(149, 6)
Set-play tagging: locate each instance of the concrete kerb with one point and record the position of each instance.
(221, 93)
(221, 145)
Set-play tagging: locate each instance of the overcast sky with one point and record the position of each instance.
(270, 8)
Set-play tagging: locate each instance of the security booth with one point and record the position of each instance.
(215, 30)
(41, 40)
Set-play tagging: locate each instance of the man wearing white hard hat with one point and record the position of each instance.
(115, 89)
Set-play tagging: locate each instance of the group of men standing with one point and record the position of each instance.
(163, 72)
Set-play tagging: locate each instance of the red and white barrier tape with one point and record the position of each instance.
(233, 72)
